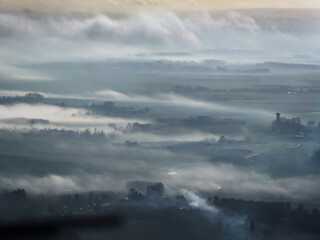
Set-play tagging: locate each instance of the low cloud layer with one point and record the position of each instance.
(216, 179)
(178, 100)
(103, 36)
(59, 117)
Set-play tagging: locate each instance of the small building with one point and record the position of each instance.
(287, 126)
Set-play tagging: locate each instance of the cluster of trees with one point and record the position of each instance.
(28, 98)
(164, 65)
(294, 66)
(85, 134)
(273, 89)
(150, 189)
(108, 108)
(182, 89)
(278, 217)
(18, 204)
(142, 127)
(275, 214)
(224, 140)
(198, 122)
(201, 121)
(279, 89)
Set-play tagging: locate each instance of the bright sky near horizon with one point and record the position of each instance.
(100, 6)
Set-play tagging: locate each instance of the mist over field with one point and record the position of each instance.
(181, 103)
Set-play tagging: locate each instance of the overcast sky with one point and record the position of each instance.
(94, 6)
